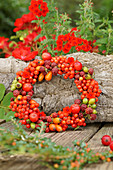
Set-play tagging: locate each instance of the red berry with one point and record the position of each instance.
(28, 126)
(47, 129)
(75, 108)
(77, 65)
(23, 93)
(111, 145)
(106, 140)
(33, 117)
(27, 87)
(30, 93)
(54, 115)
(28, 98)
(46, 56)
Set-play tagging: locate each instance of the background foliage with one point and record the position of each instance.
(11, 9)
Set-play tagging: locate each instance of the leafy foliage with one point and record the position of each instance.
(9, 11)
(93, 28)
(5, 112)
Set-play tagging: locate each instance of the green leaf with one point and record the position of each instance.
(6, 100)
(37, 37)
(102, 41)
(35, 21)
(2, 113)
(9, 116)
(2, 91)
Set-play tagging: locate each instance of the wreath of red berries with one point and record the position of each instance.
(26, 109)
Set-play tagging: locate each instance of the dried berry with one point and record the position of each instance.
(16, 93)
(47, 62)
(41, 69)
(93, 117)
(47, 66)
(89, 110)
(77, 76)
(91, 71)
(82, 73)
(77, 101)
(80, 115)
(28, 98)
(53, 64)
(83, 107)
(55, 71)
(49, 119)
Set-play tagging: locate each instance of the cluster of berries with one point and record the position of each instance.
(26, 109)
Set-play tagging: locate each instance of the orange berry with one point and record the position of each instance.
(56, 120)
(52, 127)
(108, 160)
(58, 128)
(102, 157)
(14, 143)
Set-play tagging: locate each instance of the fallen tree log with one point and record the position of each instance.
(58, 93)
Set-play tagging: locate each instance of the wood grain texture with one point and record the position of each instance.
(9, 125)
(95, 142)
(84, 134)
(101, 166)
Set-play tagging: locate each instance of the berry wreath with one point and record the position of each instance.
(26, 109)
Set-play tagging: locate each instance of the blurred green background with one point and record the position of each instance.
(12, 9)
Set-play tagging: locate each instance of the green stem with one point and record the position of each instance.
(4, 107)
(108, 44)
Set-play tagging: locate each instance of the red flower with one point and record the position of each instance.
(60, 37)
(73, 29)
(78, 48)
(41, 114)
(79, 40)
(29, 40)
(66, 37)
(3, 42)
(43, 5)
(59, 47)
(42, 38)
(90, 95)
(59, 42)
(25, 22)
(24, 53)
(67, 109)
(25, 74)
(66, 50)
(70, 60)
(39, 8)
